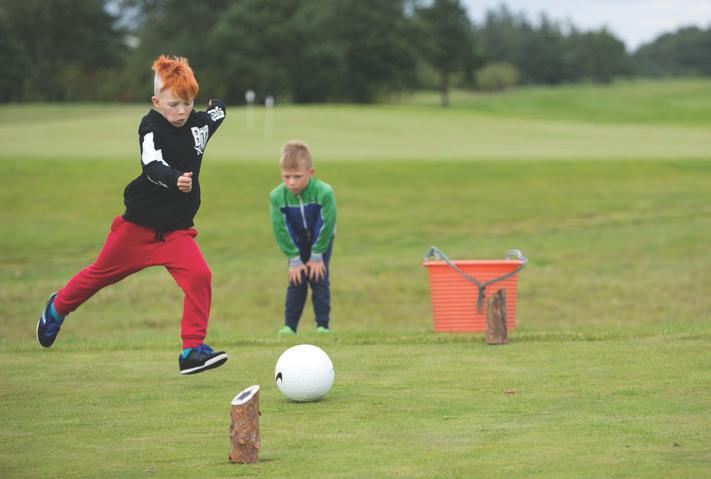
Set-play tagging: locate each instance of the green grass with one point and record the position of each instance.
(406, 409)
(638, 120)
(633, 102)
(606, 374)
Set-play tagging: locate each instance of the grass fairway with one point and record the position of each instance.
(402, 408)
(608, 373)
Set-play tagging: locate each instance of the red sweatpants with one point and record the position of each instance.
(130, 248)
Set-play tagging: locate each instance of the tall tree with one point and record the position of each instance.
(687, 51)
(540, 56)
(171, 27)
(311, 50)
(15, 62)
(376, 40)
(448, 40)
(59, 46)
(597, 56)
(318, 73)
(251, 48)
(502, 35)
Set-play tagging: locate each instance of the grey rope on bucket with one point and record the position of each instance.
(438, 254)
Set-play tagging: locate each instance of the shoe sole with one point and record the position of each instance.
(37, 333)
(211, 363)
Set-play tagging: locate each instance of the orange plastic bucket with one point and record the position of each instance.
(458, 298)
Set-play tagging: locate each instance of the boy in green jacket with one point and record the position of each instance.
(303, 211)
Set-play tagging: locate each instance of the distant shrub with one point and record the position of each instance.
(497, 76)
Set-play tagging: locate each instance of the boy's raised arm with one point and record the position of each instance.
(216, 112)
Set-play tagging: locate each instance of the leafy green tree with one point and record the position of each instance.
(686, 51)
(251, 47)
(537, 52)
(448, 47)
(15, 61)
(502, 36)
(597, 56)
(310, 50)
(375, 38)
(544, 54)
(319, 72)
(59, 46)
(170, 27)
(541, 53)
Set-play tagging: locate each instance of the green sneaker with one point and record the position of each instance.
(286, 331)
(322, 330)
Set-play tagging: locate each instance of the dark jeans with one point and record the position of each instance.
(320, 297)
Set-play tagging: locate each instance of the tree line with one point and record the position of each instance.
(311, 50)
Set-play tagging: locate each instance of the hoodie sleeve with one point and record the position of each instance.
(153, 164)
(328, 226)
(281, 233)
(215, 114)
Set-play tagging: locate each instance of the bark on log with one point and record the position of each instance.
(496, 330)
(244, 427)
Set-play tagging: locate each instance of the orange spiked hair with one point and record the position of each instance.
(175, 74)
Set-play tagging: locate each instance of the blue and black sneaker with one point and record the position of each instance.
(47, 326)
(201, 358)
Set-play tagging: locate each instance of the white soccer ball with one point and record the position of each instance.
(304, 373)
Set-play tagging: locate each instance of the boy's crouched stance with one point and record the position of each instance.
(303, 212)
(157, 226)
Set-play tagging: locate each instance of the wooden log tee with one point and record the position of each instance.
(244, 427)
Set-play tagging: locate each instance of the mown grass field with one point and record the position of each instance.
(608, 374)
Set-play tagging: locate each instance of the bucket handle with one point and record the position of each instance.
(512, 253)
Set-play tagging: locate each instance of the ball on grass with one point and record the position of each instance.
(304, 373)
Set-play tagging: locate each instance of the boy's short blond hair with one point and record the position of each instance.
(295, 155)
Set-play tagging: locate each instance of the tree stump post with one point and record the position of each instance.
(496, 330)
(244, 427)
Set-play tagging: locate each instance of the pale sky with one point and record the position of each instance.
(633, 21)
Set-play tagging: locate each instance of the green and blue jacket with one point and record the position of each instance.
(304, 225)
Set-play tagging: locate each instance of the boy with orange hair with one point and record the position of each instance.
(156, 228)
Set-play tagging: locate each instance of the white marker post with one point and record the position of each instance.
(249, 97)
(269, 106)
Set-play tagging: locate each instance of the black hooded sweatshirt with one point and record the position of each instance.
(153, 199)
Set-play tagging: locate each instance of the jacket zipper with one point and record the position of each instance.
(303, 213)
(303, 217)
